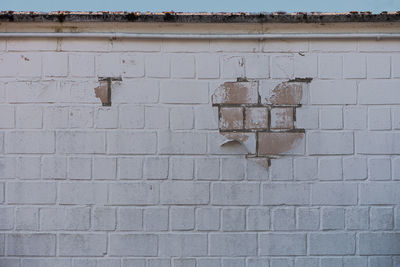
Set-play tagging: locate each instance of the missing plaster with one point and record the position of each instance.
(264, 126)
(103, 91)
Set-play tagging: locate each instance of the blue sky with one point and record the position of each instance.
(203, 5)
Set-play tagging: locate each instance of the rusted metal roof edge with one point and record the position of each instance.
(176, 17)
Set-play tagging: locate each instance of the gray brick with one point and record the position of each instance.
(328, 143)
(30, 142)
(233, 244)
(129, 219)
(208, 262)
(108, 262)
(355, 168)
(155, 168)
(355, 261)
(327, 244)
(6, 218)
(332, 218)
(208, 219)
(178, 143)
(331, 262)
(176, 92)
(179, 192)
(104, 168)
(27, 218)
(309, 262)
(283, 244)
(379, 169)
(181, 168)
(54, 167)
(80, 142)
(45, 263)
(133, 245)
(28, 167)
(308, 218)
(382, 218)
(11, 262)
(31, 192)
(283, 219)
(103, 218)
(235, 193)
(334, 194)
(130, 168)
(133, 263)
(233, 262)
(7, 167)
(64, 218)
(155, 219)
(282, 262)
(182, 245)
(377, 143)
(257, 262)
(233, 219)
(80, 168)
(159, 262)
(31, 245)
(258, 219)
(357, 218)
(286, 193)
(2, 245)
(380, 193)
(133, 193)
(82, 244)
(184, 262)
(207, 168)
(182, 218)
(127, 142)
(333, 92)
(232, 169)
(379, 261)
(82, 193)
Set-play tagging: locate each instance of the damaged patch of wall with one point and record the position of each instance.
(264, 125)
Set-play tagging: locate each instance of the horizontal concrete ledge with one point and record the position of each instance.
(264, 36)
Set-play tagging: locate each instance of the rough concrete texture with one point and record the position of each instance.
(145, 183)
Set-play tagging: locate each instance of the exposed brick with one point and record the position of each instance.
(256, 118)
(231, 118)
(236, 93)
(282, 118)
(285, 93)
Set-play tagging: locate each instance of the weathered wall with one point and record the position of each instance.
(145, 182)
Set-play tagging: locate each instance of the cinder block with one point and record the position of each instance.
(330, 169)
(354, 66)
(232, 67)
(55, 64)
(321, 143)
(181, 168)
(208, 219)
(31, 192)
(127, 142)
(355, 168)
(283, 244)
(207, 66)
(182, 218)
(331, 118)
(185, 192)
(54, 167)
(184, 92)
(177, 143)
(129, 219)
(230, 193)
(155, 219)
(233, 219)
(257, 66)
(332, 218)
(27, 142)
(379, 243)
(357, 218)
(286, 193)
(182, 245)
(182, 66)
(382, 218)
(141, 91)
(330, 66)
(129, 168)
(80, 142)
(81, 65)
(333, 92)
(55, 117)
(156, 117)
(258, 219)
(157, 65)
(136, 193)
(379, 193)
(379, 119)
(334, 193)
(283, 219)
(82, 193)
(27, 218)
(326, 244)
(181, 118)
(378, 66)
(82, 244)
(355, 118)
(104, 168)
(308, 218)
(31, 245)
(233, 244)
(103, 218)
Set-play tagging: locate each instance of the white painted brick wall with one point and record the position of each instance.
(145, 183)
